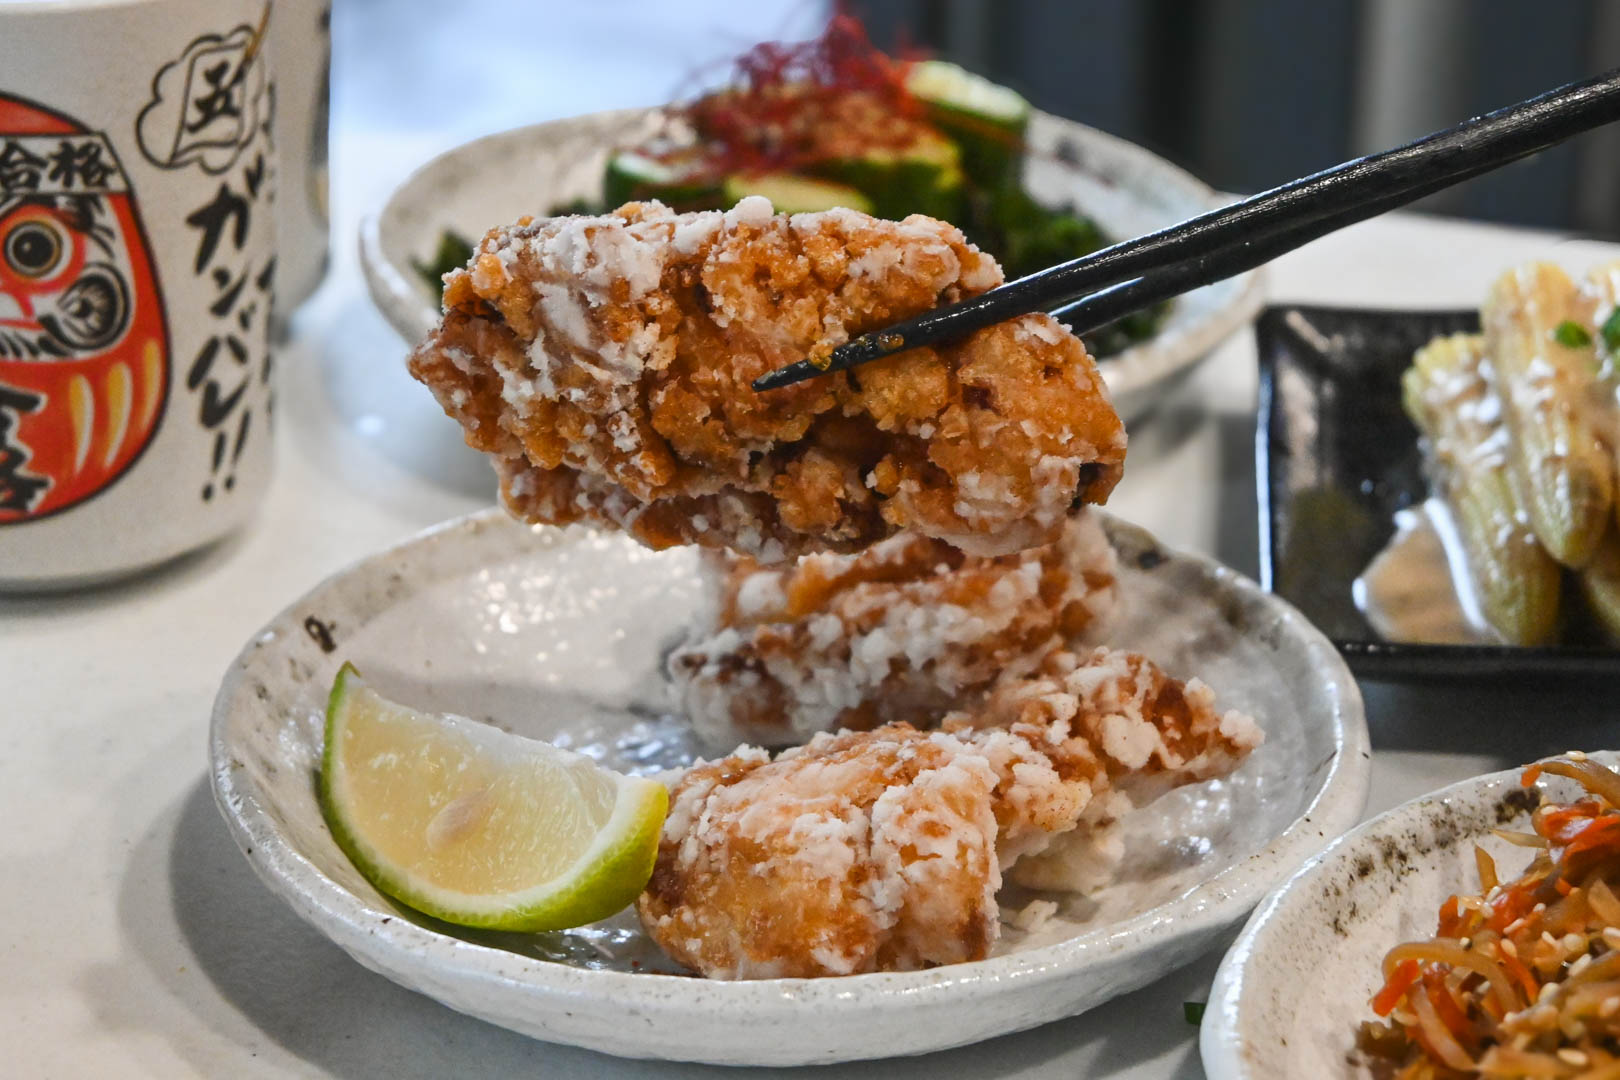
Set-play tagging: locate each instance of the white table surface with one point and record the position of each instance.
(138, 943)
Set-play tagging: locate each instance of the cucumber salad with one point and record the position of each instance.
(835, 122)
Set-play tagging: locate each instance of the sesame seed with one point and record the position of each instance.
(1547, 992)
(1575, 755)
(1465, 943)
(1508, 948)
(1548, 940)
(1514, 927)
(1570, 1056)
(1574, 943)
(1609, 1007)
(1611, 936)
(1581, 963)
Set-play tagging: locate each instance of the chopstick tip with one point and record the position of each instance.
(821, 362)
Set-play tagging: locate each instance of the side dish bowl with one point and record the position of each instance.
(1291, 993)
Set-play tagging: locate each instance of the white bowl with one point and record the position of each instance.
(497, 179)
(1295, 986)
(561, 635)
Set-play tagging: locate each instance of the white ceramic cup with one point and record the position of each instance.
(301, 49)
(137, 250)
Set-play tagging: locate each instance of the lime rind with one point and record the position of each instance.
(605, 878)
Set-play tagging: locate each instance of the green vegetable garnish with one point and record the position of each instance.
(1611, 330)
(834, 122)
(453, 252)
(1572, 335)
(1193, 1012)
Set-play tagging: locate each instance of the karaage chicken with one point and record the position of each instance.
(862, 851)
(883, 850)
(605, 362)
(906, 630)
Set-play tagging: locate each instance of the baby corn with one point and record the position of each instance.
(1600, 585)
(1516, 581)
(1544, 379)
(1601, 293)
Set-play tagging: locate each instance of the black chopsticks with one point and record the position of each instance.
(1092, 291)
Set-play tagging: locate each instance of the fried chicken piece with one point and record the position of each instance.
(1117, 731)
(605, 363)
(905, 631)
(883, 850)
(862, 851)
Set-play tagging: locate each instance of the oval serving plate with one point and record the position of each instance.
(498, 178)
(1295, 986)
(561, 635)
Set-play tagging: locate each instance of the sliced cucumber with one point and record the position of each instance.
(985, 119)
(923, 178)
(791, 193)
(675, 180)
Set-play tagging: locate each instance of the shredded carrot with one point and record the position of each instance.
(1515, 967)
(1406, 973)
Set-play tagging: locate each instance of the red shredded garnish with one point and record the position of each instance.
(780, 93)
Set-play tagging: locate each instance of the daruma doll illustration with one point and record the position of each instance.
(138, 179)
(84, 350)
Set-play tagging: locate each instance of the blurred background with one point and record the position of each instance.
(1244, 93)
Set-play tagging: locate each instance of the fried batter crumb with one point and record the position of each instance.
(605, 363)
(906, 630)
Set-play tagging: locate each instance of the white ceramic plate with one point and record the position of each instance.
(499, 178)
(1294, 988)
(561, 635)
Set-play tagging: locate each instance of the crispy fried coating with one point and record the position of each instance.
(883, 850)
(867, 851)
(1117, 731)
(904, 631)
(605, 363)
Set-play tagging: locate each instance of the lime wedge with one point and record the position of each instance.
(478, 827)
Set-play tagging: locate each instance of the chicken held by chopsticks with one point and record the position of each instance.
(605, 362)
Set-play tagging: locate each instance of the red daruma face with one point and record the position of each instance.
(84, 365)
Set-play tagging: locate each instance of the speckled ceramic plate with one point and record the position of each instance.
(496, 179)
(561, 635)
(1293, 989)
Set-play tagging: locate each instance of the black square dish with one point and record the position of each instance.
(1336, 459)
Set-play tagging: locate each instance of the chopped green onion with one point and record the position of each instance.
(1611, 329)
(1193, 1012)
(1572, 334)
